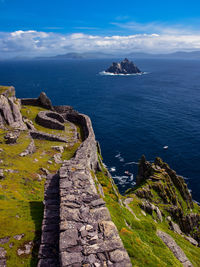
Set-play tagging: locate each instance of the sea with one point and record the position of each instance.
(131, 115)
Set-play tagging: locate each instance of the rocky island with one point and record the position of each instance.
(60, 206)
(124, 67)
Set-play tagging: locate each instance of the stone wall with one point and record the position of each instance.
(50, 119)
(88, 237)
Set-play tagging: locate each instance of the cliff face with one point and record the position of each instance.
(159, 185)
(55, 163)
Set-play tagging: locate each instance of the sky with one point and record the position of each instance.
(42, 28)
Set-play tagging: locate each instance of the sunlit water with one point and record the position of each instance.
(131, 115)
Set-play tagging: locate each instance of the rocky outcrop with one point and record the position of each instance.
(10, 110)
(125, 67)
(44, 101)
(50, 119)
(177, 251)
(158, 185)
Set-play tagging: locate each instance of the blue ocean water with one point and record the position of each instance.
(131, 115)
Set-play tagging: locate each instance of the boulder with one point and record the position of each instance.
(44, 101)
(11, 137)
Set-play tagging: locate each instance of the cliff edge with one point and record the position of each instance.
(60, 206)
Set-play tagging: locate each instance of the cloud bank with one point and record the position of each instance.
(37, 43)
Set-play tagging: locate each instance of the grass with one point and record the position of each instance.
(3, 88)
(22, 189)
(139, 236)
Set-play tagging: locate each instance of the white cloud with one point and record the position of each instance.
(34, 43)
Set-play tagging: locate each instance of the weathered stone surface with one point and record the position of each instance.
(44, 101)
(86, 229)
(10, 111)
(26, 250)
(2, 253)
(50, 119)
(58, 148)
(18, 237)
(118, 255)
(1, 174)
(71, 258)
(4, 240)
(191, 240)
(177, 251)
(175, 227)
(11, 137)
(46, 136)
(68, 238)
(30, 149)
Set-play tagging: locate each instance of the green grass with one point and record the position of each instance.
(22, 192)
(139, 236)
(3, 89)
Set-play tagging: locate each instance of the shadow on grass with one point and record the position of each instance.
(36, 209)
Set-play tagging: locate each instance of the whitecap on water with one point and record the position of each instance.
(113, 169)
(124, 180)
(131, 163)
(121, 74)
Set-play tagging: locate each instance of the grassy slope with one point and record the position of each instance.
(139, 236)
(21, 192)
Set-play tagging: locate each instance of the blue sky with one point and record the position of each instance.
(91, 25)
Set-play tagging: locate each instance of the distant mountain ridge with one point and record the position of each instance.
(101, 55)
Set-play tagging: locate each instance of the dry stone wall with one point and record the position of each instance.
(88, 237)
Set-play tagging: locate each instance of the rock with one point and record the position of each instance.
(58, 148)
(2, 253)
(11, 245)
(143, 170)
(26, 249)
(10, 112)
(1, 150)
(149, 208)
(125, 67)
(18, 237)
(45, 171)
(30, 149)
(44, 101)
(1, 174)
(4, 240)
(175, 227)
(29, 124)
(69, 238)
(177, 251)
(191, 240)
(57, 158)
(11, 137)
(118, 255)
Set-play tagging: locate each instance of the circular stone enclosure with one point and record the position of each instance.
(50, 119)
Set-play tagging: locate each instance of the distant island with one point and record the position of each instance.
(124, 67)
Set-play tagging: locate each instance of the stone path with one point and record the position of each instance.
(88, 237)
(49, 248)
